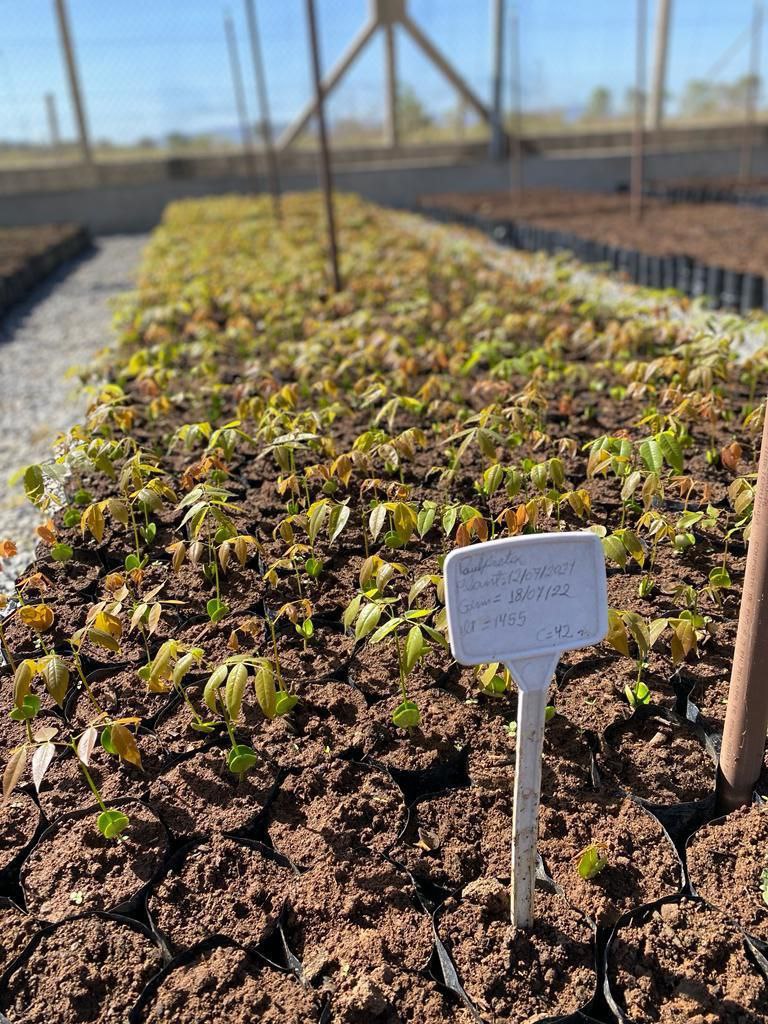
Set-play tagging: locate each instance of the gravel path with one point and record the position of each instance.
(60, 326)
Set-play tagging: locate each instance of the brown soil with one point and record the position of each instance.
(658, 761)
(221, 888)
(373, 669)
(331, 719)
(447, 725)
(332, 810)
(518, 974)
(716, 233)
(74, 868)
(85, 970)
(592, 696)
(458, 836)
(19, 818)
(383, 996)
(199, 795)
(65, 789)
(685, 964)
(119, 693)
(726, 860)
(491, 763)
(631, 839)
(347, 919)
(16, 929)
(224, 985)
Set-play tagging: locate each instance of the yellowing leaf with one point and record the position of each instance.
(125, 744)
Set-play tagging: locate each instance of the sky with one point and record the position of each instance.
(150, 67)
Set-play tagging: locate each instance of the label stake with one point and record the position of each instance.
(522, 601)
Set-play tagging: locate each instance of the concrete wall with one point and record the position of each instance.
(108, 209)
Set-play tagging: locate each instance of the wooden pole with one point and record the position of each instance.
(237, 84)
(636, 198)
(753, 88)
(517, 107)
(497, 55)
(53, 120)
(746, 715)
(73, 77)
(325, 163)
(273, 170)
(659, 80)
(392, 127)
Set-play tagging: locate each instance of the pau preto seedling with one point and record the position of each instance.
(764, 885)
(224, 693)
(591, 861)
(212, 540)
(407, 630)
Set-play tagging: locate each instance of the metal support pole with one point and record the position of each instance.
(53, 120)
(273, 171)
(636, 187)
(746, 715)
(517, 108)
(497, 114)
(659, 82)
(237, 84)
(391, 127)
(330, 81)
(73, 78)
(753, 88)
(325, 165)
(428, 48)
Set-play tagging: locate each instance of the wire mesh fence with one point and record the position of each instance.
(156, 77)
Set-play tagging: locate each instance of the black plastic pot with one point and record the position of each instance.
(752, 293)
(450, 977)
(732, 289)
(684, 274)
(638, 917)
(714, 286)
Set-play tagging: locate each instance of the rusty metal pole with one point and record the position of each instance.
(746, 716)
(237, 85)
(273, 171)
(517, 107)
(73, 78)
(325, 164)
(636, 185)
(752, 92)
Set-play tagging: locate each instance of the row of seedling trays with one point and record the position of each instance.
(724, 288)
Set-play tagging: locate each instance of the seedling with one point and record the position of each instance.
(592, 860)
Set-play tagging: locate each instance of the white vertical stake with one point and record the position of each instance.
(525, 816)
(522, 601)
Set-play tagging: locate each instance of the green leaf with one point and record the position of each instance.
(673, 453)
(285, 703)
(61, 552)
(350, 613)
(34, 485)
(425, 520)
(414, 648)
(210, 693)
(264, 688)
(27, 710)
(112, 823)
(592, 861)
(367, 620)
(313, 567)
(764, 885)
(132, 562)
(56, 676)
(615, 550)
(652, 455)
(240, 758)
(106, 740)
(406, 715)
(235, 688)
(216, 609)
(383, 631)
(338, 520)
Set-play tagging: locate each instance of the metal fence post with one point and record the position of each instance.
(237, 84)
(73, 78)
(273, 171)
(325, 166)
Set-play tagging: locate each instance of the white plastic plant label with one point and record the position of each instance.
(525, 597)
(523, 601)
